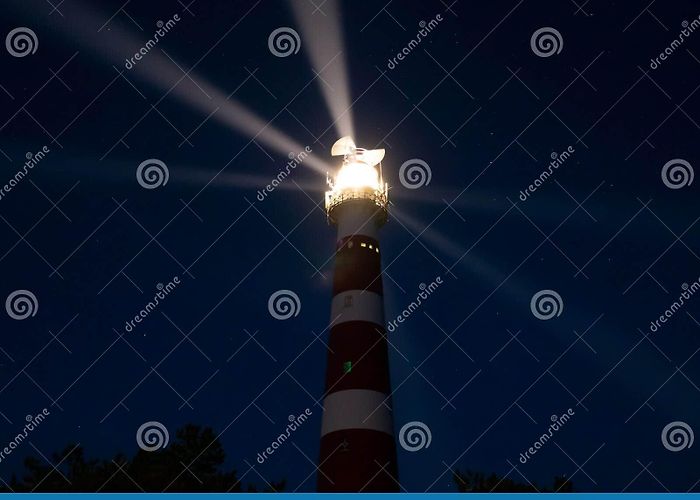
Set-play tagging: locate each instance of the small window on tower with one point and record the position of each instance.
(376, 249)
(350, 244)
(348, 301)
(364, 245)
(370, 247)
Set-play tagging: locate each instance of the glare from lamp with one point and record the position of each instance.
(357, 175)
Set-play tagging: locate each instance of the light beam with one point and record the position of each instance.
(322, 40)
(116, 44)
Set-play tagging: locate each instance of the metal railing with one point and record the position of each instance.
(379, 197)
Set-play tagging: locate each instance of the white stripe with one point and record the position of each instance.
(357, 305)
(356, 409)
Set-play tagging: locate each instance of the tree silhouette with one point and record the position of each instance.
(477, 482)
(192, 463)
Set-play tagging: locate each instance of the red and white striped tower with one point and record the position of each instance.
(358, 451)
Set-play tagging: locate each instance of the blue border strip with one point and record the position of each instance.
(364, 496)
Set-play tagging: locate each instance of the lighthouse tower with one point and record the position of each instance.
(358, 451)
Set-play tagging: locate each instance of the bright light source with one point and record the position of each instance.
(359, 178)
(357, 175)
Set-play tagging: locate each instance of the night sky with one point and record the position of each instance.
(614, 238)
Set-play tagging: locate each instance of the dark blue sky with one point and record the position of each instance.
(618, 261)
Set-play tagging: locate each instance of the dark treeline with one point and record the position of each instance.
(173, 469)
(477, 482)
(193, 462)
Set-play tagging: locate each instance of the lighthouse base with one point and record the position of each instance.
(353, 456)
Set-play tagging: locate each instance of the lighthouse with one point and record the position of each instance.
(358, 450)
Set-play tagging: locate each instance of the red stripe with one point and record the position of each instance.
(356, 239)
(357, 267)
(352, 460)
(362, 344)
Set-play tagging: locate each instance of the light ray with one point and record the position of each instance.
(322, 40)
(158, 69)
